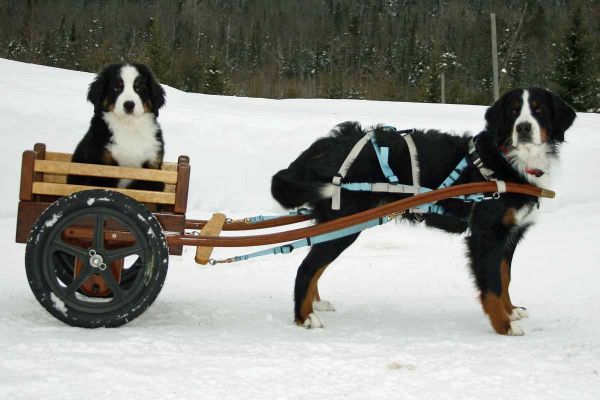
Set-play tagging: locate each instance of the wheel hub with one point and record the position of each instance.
(96, 260)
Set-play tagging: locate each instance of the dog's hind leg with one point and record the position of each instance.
(318, 303)
(312, 267)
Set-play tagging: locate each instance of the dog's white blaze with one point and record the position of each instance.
(134, 140)
(526, 116)
(128, 74)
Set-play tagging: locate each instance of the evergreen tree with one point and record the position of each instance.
(215, 81)
(156, 51)
(573, 71)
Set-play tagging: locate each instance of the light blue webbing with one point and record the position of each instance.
(261, 218)
(324, 237)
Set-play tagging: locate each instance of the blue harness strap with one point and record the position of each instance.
(383, 154)
(324, 237)
(260, 218)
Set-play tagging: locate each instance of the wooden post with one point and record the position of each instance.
(443, 87)
(27, 164)
(495, 57)
(182, 186)
(40, 154)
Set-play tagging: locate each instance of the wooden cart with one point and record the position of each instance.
(99, 257)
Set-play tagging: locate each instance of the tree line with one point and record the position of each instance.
(356, 49)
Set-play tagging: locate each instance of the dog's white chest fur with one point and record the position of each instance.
(526, 215)
(133, 141)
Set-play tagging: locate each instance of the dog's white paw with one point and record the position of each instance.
(312, 321)
(515, 329)
(323, 305)
(518, 313)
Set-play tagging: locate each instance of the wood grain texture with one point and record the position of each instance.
(27, 174)
(182, 188)
(212, 228)
(145, 196)
(110, 171)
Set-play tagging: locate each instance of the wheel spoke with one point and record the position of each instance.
(79, 279)
(123, 252)
(99, 233)
(60, 245)
(110, 280)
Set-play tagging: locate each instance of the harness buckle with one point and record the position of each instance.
(286, 248)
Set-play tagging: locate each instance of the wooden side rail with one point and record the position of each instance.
(60, 189)
(44, 173)
(69, 168)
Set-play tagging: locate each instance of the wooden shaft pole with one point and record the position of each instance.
(393, 208)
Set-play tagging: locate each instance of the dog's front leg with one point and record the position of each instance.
(487, 244)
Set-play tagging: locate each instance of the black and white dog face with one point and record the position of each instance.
(127, 90)
(528, 125)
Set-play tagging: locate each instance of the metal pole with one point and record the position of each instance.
(495, 57)
(443, 87)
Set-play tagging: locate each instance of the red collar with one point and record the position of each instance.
(535, 172)
(504, 149)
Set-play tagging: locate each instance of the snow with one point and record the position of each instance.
(50, 223)
(58, 304)
(407, 322)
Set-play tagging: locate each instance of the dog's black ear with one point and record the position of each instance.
(494, 116)
(157, 94)
(563, 116)
(97, 90)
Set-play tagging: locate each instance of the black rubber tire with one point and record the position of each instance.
(45, 275)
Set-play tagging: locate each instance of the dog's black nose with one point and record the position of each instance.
(129, 106)
(524, 131)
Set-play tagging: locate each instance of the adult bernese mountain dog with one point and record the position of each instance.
(523, 133)
(123, 130)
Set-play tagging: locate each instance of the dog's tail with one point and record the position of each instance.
(291, 189)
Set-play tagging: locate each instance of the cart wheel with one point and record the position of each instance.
(96, 258)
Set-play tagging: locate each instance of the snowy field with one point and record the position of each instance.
(408, 323)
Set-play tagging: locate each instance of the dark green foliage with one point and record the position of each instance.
(575, 72)
(215, 81)
(361, 49)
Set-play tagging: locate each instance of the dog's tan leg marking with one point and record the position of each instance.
(318, 303)
(505, 276)
(306, 308)
(317, 277)
(500, 320)
(515, 313)
(308, 318)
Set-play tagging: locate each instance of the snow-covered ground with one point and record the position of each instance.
(408, 323)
